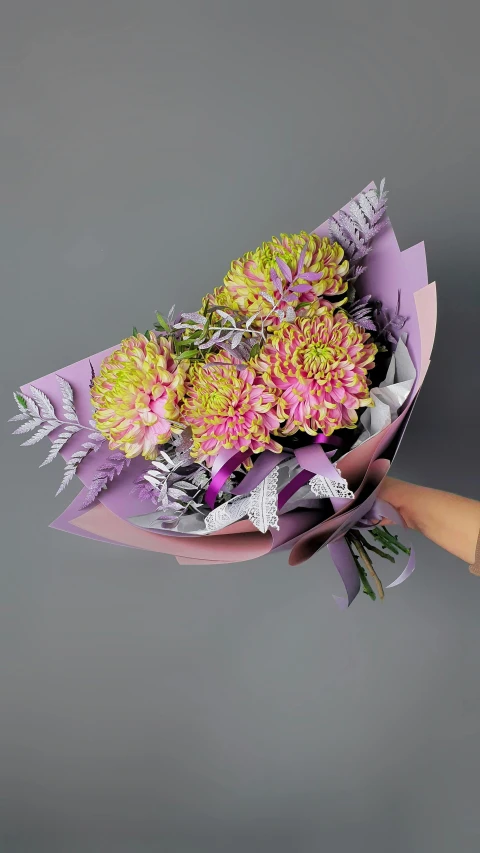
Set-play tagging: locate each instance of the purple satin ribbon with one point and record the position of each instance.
(228, 460)
(313, 460)
(301, 479)
(344, 562)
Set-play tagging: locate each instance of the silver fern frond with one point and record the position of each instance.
(355, 230)
(67, 399)
(60, 442)
(71, 468)
(46, 407)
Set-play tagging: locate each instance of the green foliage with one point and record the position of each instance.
(162, 323)
(20, 400)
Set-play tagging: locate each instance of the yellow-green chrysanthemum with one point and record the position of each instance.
(228, 408)
(136, 395)
(319, 371)
(306, 265)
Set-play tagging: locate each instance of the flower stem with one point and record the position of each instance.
(361, 571)
(362, 553)
(389, 540)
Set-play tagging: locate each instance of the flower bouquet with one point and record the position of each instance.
(265, 420)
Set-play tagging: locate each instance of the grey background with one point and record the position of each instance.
(151, 707)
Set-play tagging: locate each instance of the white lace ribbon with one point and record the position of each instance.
(260, 506)
(323, 487)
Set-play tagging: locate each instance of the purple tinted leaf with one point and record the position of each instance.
(350, 229)
(285, 269)
(217, 338)
(363, 301)
(355, 272)
(113, 466)
(301, 288)
(312, 276)
(276, 280)
(301, 260)
(369, 325)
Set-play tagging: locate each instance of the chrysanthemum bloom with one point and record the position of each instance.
(229, 408)
(318, 368)
(136, 395)
(307, 265)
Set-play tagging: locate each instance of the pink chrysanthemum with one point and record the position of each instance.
(229, 408)
(304, 266)
(136, 395)
(318, 369)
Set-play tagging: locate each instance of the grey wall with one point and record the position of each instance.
(151, 707)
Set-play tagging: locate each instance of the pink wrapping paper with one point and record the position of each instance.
(389, 271)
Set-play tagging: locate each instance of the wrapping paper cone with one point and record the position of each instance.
(389, 272)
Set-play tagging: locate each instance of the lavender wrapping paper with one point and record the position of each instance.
(389, 271)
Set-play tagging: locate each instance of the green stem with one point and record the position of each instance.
(361, 571)
(367, 544)
(362, 553)
(389, 540)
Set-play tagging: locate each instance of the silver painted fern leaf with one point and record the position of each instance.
(37, 412)
(112, 467)
(71, 468)
(355, 230)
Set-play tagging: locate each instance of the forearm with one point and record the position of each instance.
(448, 520)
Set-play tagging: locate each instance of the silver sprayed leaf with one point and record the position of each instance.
(268, 296)
(27, 427)
(32, 408)
(250, 320)
(236, 339)
(71, 468)
(184, 484)
(177, 494)
(225, 316)
(47, 410)
(67, 399)
(197, 318)
(20, 416)
(44, 431)
(290, 314)
(60, 442)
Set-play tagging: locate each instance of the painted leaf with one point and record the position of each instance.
(44, 431)
(60, 442)
(27, 427)
(67, 399)
(46, 408)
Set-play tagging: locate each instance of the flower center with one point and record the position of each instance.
(318, 358)
(218, 402)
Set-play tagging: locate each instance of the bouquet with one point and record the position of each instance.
(264, 420)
